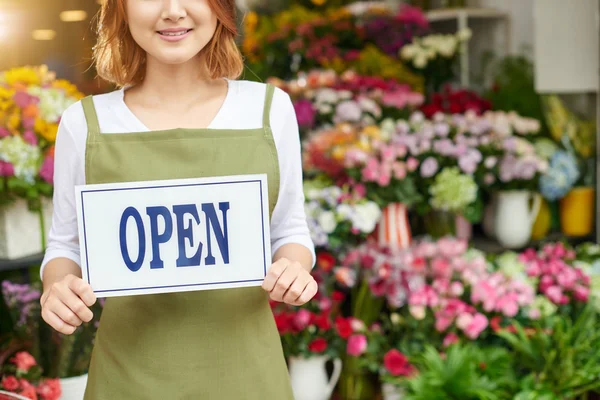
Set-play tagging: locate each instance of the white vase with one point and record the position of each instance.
(514, 217)
(73, 388)
(309, 377)
(391, 392)
(20, 229)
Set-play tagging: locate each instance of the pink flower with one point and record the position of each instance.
(10, 383)
(412, 164)
(441, 267)
(463, 321)
(357, 345)
(50, 389)
(477, 325)
(30, 137)
(6, 169)
(508, 305)
(442, 321)
(534, 313)
(370, 172)
(47, 169)
(450, 339)
(24, 361)
(399, 169)
(581, 293)
(345, 276)
(457, 289)
(429, 167)
(302, 319)
(555, 294)
(4, 132)
(384, 178)
(452, 247)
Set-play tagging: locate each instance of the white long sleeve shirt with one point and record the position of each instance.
(242, 109)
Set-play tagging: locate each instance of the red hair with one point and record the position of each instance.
(120, 60)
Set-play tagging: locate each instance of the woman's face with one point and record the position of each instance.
(171, 31)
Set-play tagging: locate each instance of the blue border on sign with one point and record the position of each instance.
(262, 215)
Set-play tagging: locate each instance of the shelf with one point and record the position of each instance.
(491, 246)
(21, 263)
(448, 14)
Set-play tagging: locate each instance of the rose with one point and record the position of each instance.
(10, 383)
(357, 344)
(24, 361)
(397, 363)
(318, 345)
(343, 327)
(50, 389)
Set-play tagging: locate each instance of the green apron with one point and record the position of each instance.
(216, 344)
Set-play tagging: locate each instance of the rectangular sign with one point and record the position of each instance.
(174, 235)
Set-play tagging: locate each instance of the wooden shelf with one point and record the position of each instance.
(21, 263)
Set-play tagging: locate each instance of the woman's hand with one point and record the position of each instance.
(288, 282)
(66, 304)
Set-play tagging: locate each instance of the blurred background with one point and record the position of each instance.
(450, 151)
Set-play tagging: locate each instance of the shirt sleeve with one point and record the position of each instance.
(288, 221)
(63, 238)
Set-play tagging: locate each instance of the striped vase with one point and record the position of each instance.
(393, 229)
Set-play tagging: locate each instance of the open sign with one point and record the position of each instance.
(174, 235)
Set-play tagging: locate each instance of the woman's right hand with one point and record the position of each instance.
(66, 304)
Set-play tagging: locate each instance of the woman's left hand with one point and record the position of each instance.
(288, 282)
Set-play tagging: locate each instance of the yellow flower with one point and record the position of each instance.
(46, 130)
(372, 131)
(318, 2)
(69, 88)
(250, 22)
(338, 153)
(14, 120)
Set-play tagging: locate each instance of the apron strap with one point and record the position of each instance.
(91, 117)
(267, 107)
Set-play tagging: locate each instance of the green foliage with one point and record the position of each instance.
(466, 372)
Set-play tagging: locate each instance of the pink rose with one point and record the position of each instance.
(10, 383)
(555, 294)
(24, 361)
(357, 345)
(581, 293)
(450, 339)
(302, 319)
(50, 389)
(477, 325)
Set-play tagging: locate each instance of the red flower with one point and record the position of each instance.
(318, 345)
(343, 327)
(29, 393)
(337, 296)
(50, 389)
(283, 322)
(397, 363)
(495, 323)
(325, 261)
(10, 383)
(23, 360)
(322, 321)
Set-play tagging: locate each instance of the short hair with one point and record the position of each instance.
(120, 60)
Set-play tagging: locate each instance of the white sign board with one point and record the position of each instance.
(174, 235)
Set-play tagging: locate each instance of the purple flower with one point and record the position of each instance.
(305, 113)
(442, 129)
(444, 147)
(429, 167)
(348, 111)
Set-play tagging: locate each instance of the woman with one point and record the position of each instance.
(179, 114)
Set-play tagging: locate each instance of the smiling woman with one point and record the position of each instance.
(210, 30)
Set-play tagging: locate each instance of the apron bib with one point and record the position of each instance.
(215, 344)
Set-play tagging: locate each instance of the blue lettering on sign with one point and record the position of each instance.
(183, 232)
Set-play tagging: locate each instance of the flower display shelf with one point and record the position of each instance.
(21, 263)
(491, 246)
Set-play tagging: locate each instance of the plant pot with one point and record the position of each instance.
(309, 377)
(393, 229)
(23, 232)
(391, 392)
(73, 388)
(577, 212)
(514, 217)
(443, 223)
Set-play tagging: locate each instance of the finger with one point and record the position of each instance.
(273, 274)
(286, 279)
(57, 323)
(309, 292)
(74, 303)
(82, 289)
(296, 289)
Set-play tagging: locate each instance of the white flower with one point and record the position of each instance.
(366, 216)
(326, 96)
(313, 194)
(325, 109)
(345, 94)
(345, 211)
(327, 221)
(370, 106)
(420, 60)
(408, 51)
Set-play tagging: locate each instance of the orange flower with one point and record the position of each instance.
(30, 111)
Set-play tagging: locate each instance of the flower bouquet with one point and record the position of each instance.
(433, 56)
(339, 217)
(32, 101)
(23, 376)
(60, 356)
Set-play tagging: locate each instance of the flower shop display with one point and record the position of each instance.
(62, 357)
(31, 103)
(22, 375)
